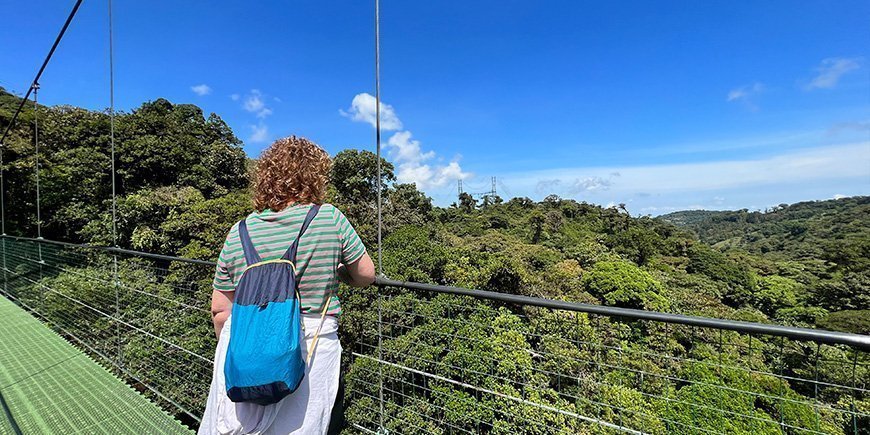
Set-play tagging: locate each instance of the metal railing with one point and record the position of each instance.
(454, 360)
(434, 359)
(144, 316)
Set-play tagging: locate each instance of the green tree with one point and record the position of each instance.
(355, 176)
(467, 203)
(623, 284)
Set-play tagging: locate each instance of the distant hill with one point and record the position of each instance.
(689, 218)
(811, 229)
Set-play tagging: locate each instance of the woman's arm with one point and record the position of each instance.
(221, 306)
(360, 273)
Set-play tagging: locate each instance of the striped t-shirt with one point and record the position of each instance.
(328, 241)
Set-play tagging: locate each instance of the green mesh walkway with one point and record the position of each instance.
(47, 386)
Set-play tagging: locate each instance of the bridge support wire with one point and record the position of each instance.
(30, 89)
(36, 168)
(543, 407)
(380, 189)
(34, 85)
(115, 278)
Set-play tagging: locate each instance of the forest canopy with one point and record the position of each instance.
(182, 181)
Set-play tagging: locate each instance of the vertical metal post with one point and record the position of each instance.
(380, 221)
(115, 278)
(749, 369)
(690, 351)
(5, 269)
(3, 219)
(38, 207)
(36, 166)
(667, 384)
(721, 376)
(816, 387)
(2, 193)
(854, 392)
(577, 342)
(380, 363)
(781, 384)
(378, 122)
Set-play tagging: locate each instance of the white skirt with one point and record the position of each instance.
(306, 411)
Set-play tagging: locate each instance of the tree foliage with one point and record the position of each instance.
(182, 182)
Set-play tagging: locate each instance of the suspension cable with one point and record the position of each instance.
(378, 124)
(115, 278)
(2, 193)
(35, 89)
(35, 81)
(380, 220)
(112, 125)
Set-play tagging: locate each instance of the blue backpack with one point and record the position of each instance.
(264, 360)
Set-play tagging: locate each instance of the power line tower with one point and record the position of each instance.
(492, 192)
(460, 187)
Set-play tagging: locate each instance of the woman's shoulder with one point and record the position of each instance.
(337, 215)
(328, 209)
(234, 228)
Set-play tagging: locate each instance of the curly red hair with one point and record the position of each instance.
(293, 170)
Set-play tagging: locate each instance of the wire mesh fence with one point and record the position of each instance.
(431, 362)
(144, 318)
(443, 363)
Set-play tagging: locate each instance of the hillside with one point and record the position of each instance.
(826, 242)
(812, 229)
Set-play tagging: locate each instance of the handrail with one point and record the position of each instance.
(113, 249)
(858, 341)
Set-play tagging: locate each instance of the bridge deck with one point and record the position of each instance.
(48, 386)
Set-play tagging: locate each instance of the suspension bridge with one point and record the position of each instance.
(100, 339)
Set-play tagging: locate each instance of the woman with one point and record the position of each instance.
(291, 176)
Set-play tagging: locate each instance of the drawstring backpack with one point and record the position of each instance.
(264, 360)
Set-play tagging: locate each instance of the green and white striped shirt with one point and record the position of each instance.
(328, 241)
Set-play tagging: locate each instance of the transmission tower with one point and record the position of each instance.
(492, 192)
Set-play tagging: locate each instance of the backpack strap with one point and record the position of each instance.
(290, 254)
(251, 255)
(319, 327)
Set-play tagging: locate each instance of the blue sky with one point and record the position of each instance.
(660, 105)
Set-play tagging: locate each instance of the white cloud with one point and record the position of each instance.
(840, 196)
(411, 167)
(201, 90)
(745, 94)
(254, 101)
(589, 184)
(778, 140)
(803, 173)
(849, 160)
(861, 127)
(411, 161)
(544, 187)
(259, 133)
(830, 72)
(736, 94)
(363, 108)
(406, 149)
